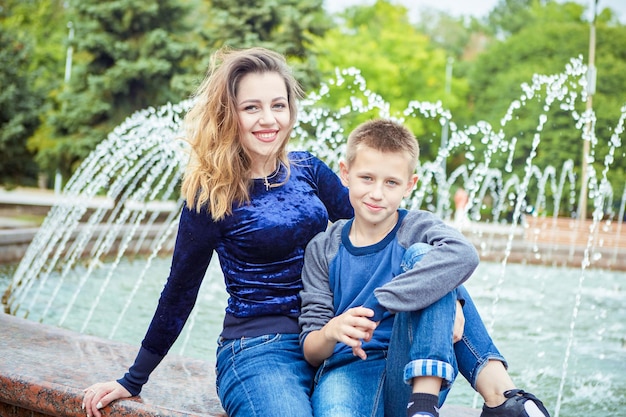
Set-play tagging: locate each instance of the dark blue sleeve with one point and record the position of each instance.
(138, 374)
(197, 234)
(192, 255)
(332, 192)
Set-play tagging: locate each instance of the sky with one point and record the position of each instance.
(477, 8)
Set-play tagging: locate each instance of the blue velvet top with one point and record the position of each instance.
(261, 252)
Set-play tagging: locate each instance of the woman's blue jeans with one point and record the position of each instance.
(264, 376)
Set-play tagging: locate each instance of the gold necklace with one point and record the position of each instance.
(266, 179)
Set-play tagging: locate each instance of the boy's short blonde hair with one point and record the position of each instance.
(385, 136)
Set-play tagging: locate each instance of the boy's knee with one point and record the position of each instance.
(414, 254)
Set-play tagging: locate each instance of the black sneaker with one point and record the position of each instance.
(518, 404)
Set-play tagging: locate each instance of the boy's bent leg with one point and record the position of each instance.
(420, 346)
(431, 351)
(476, 348)
(348, 386)
(397, 392)
(264, 376)
(414, 254)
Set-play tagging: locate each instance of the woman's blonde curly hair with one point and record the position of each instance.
(218, 173)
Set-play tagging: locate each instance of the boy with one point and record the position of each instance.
(361, 272)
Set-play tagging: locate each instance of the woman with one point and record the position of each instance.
(257, 207)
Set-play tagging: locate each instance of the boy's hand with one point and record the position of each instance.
(459, 323)
(358, 350)
(351, 328)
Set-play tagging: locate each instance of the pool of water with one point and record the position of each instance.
(562, 330)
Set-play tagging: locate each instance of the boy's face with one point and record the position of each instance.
(377, 182)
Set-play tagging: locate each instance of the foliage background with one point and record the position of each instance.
(129, 55)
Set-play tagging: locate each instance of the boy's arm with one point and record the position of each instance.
(321, 330)
(317, 297)
(450, 263)
(317, 347)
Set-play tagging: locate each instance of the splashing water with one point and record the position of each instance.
(123, 201)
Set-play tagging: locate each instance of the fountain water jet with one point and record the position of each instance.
(123, 200)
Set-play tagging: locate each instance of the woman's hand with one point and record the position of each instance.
(100, 395)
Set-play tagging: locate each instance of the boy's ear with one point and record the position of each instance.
(410, 185)
(343, 173)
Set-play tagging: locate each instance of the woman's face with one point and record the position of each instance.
(264, 118)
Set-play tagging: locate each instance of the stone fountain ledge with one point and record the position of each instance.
(44, 370)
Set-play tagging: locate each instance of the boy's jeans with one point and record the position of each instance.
(346, 385)
(472, 352)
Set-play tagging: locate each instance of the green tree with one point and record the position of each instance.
(397, 61)
(553, 35)
(510, 16)
(286, 26)
(128, 55)
(19, 103)
(447, 32)
(33, 57)
(48, 42)
(463, 38)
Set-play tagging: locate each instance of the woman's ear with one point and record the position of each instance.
(343, 173)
